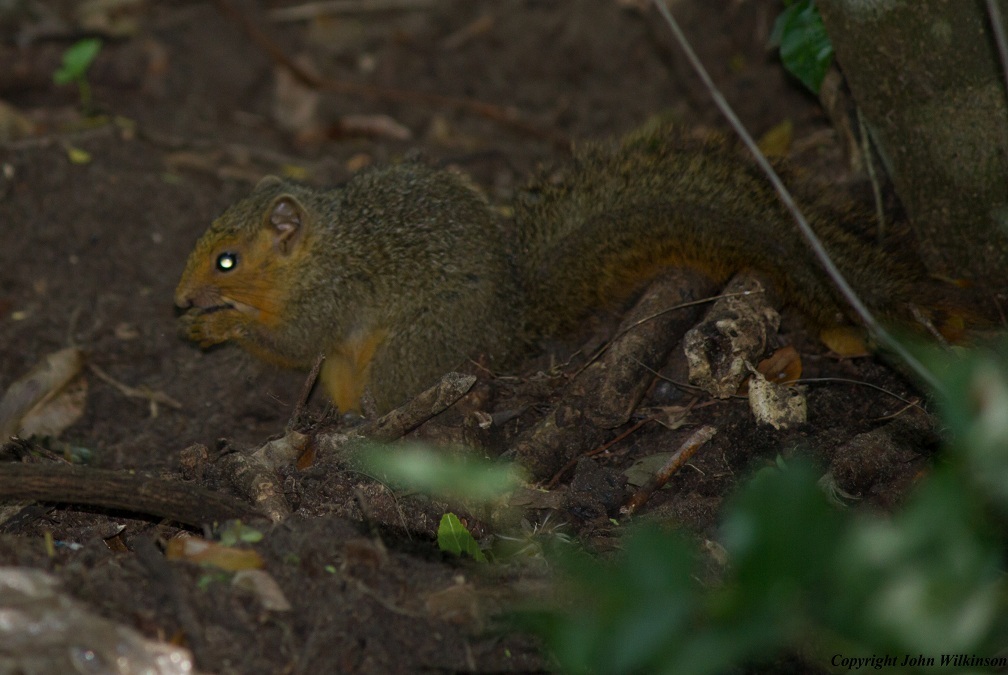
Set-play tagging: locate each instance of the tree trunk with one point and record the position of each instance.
(927, 77)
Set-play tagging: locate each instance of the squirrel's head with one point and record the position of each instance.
(245, 265)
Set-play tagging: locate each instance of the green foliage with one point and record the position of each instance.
(234, 532)
(806, 576)
(77, 59)
(424, 469)
(805, 48)
(453, 537)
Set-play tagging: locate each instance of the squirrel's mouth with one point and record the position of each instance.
(222, 304)
(213, 309)
(227, 304)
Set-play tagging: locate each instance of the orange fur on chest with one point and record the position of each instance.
(347, 369)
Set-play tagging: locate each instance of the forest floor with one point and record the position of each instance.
(98, 215)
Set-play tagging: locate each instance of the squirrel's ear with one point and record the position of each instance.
(286, 221)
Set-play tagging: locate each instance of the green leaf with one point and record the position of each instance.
(235, 532)
(454, 538)
(76, 61)
(424, 469)
(805, 48)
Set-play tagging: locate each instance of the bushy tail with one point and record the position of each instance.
(618, 215)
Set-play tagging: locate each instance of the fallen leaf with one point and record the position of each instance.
(48, 399)
(265, 588)
(373, 126)
(777, 141)
(458, 603)
(13, 125)
(644, 469)
(78, 156)
(295, 104)
(669, 416)
(784, 366)
(844, 341)
(203, 552)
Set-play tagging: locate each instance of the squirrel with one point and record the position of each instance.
(405, 271)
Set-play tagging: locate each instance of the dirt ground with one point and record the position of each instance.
(91, 250)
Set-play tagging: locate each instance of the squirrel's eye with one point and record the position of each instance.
(227, 261)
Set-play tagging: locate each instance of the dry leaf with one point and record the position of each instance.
(295, 104)
(203, 552)
(777, 141)
(48, 399)
(458, 604)
(782, 367)
(669, 416)
(643, 470)
(13, 125)
(265, 587)
(845, 341)
(374, 126)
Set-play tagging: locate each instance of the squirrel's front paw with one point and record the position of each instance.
(207, 329)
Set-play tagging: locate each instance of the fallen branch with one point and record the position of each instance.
(119, 490)
(254, 473)
(604, 395)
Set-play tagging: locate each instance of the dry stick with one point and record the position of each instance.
(306, 390)
(821, 255)
(69, 484)
(508, 117)
(149, 395)
(425, 405)
(603, 397)
(254, 473)
(675, 462)
(869, 163)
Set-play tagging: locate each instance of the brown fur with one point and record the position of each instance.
(405, 272)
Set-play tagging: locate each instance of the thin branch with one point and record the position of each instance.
(679, 458)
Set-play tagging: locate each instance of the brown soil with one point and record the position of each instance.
(91, 253)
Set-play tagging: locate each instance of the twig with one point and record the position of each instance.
(675, 462)
(424, 406)
(153, 397)
(508, 117)
(306, 390)
(869, 164)
(815, 244)
(254, 473)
